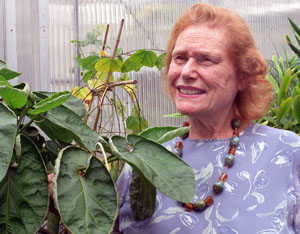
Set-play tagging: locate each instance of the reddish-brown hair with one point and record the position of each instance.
(252, 102)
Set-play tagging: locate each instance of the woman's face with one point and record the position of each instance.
(201, 77)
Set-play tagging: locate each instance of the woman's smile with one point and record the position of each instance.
(190, 91)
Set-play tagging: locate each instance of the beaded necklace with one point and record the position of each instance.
(200, 205)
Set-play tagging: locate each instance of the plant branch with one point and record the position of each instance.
(116, 47)
(100, 108)
(105, 37)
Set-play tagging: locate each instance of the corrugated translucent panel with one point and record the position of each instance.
(147, 25)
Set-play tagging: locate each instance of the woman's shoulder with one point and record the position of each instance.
(256, 130)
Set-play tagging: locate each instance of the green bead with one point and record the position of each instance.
(178, 151)
(235, 123)
(229, 160)
(218, 186)
(199, 205)
(235, 140)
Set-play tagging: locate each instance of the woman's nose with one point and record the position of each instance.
(189, 70)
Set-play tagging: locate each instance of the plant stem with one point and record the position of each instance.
(105, 37)
(99, 108)
(116, 47)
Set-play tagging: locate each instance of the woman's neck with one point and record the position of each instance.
(208, 127)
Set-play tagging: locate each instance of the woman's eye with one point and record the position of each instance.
(179, 59)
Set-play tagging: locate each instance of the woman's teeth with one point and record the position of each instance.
(191, 91)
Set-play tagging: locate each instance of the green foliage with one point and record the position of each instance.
(84, 191)
(285, 79)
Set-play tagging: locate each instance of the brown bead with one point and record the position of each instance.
(223, 177)
(209, 200)
(185, 124)
(231, 150)
(178, 145)
(236, 132)
(188, 206)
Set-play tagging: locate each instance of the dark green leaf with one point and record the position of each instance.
(9, 74)
(89, 62)
(161, 61)
(291, 45)
(284, 108)
(142, 197)
(137, 124)
(84, 192)
(8, 131)
(297, 108)
(51, 102)
(163, 169)
(172, 134)
(15, 98)
(156, 133)
(24, 193)
(4, 82)
(73, 103)
(129, 66)
(284, 86)
(72, 125)
(144, 57)
(107, 64)
(87, 75)
(294, 26)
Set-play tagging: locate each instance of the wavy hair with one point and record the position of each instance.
(252, 102)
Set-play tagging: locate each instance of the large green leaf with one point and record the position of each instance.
(161, 61)
(51, 102)
(107, 64)
(137, 124)
(284, 108)
(73, 126)
(130, 65)
(297, 108)
(8, 131)
(163, 169)
(24, 193)
(72, 103)
(4, 82)
(89, 62)
(15, 98)
(144, 57)
(84, 192)
(142, 197)
(9, 74)
(172, 134)
(156, 133)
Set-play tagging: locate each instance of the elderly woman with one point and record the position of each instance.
(246, 173)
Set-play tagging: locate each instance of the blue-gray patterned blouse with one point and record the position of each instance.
(261, 195)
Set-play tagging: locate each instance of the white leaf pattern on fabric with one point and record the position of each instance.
(175, 231)
(268, 231)
(223, 219)
(188, 219)
(244, 175)
(286, 141)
